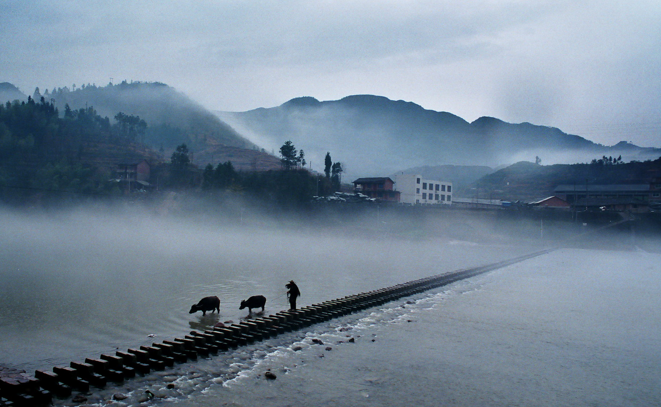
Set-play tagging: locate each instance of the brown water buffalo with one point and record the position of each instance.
(256, 301)
(206, 304)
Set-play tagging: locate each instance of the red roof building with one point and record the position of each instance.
(379, 188)
(552, 202)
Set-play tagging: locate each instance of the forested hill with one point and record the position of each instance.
(172, 117)
(378, 136)
(41, 151)
(9, 93)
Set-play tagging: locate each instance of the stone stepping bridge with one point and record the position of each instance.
(39, 390)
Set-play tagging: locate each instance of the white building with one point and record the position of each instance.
(416, 190)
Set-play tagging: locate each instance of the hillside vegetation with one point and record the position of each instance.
(527, 181)
(378, 136)
(46, 158)
(172, 119)
(41, 151)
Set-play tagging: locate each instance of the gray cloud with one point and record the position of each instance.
(573, 65)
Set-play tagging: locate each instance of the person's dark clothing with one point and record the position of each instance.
(292, 294)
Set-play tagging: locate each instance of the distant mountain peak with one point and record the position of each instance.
(625, 145)
(9, 92)
(372, 99)
(6, 86)
(374, 136)
(304, 101)
(486, 121)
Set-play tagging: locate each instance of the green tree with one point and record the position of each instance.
(301, 158)
(130, 127)
(225, 175)
(328, 163)
(289, 156)
(179, 163)
(207, 177)
(336, 175)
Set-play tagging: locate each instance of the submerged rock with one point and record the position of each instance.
(270, 375)
(119, 396)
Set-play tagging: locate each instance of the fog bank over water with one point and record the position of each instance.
(574, 327)
(77, 283)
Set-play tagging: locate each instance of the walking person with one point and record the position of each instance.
(292, 293)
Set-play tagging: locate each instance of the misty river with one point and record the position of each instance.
(573, 327)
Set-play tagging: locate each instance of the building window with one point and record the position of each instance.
(424, 195)
(442, 197)
(449, 197)
(417, 190)
(437, 197)
(417, 180)
(437, 185)
(443, 188)
(449, 188)
(424, 185)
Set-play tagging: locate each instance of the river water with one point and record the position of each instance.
(566, 329)
(573, 327)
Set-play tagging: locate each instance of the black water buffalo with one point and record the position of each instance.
(256, 301)
(206, 304)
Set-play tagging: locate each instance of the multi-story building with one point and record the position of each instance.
(416, 190)
(133, 176)
(134, 171)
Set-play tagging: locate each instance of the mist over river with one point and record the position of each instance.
(573, 327)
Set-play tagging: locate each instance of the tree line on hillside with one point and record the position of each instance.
(173, 117)
(293, 185)
(46, 156)
(37, 128)
(41, 151)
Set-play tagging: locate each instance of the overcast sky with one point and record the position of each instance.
(591, 68)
